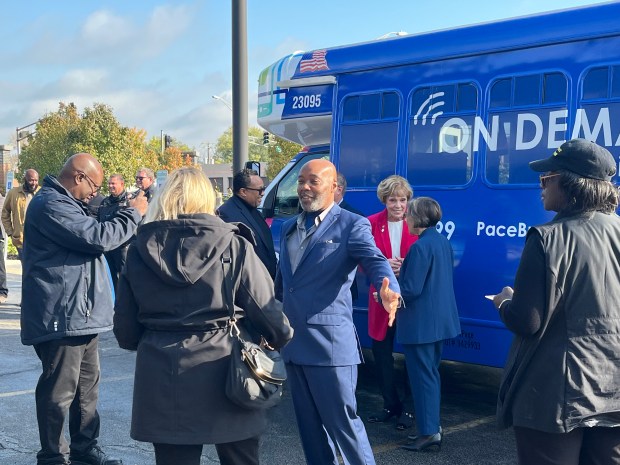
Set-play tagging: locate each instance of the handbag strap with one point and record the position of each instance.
(226, 260)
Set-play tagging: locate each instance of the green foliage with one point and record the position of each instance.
(59, 135)
(276, 155)
(279, 158)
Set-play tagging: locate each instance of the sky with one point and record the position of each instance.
(158, 64)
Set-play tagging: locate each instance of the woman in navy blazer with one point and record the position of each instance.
(428, 317)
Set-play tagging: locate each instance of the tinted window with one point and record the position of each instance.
(615, 82)
(368, 152)
(595, 84)
(419, 100)
(390, 105)
(500, 93)
(555, 88)
(467, 99)
(351, 109)
(439, 155)
(527, 90)
(370, 106)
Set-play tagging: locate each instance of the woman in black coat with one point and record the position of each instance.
(171, 308)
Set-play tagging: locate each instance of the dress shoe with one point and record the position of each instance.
(405, 421)
(95, 456)
(423, 443)
(383, 416)
(413, 437)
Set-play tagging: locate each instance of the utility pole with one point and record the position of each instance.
(240, 84)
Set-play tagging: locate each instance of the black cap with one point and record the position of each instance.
(581, 157)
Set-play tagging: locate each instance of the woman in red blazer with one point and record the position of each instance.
(394, 240)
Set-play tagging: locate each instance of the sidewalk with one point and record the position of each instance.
(10, 310)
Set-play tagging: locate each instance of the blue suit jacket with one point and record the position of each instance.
(316, 298)
(426, 283)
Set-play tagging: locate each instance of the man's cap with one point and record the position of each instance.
(581, 157)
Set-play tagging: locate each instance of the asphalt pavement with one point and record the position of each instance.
(468, 407)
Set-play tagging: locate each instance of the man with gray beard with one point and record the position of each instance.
(320, 251)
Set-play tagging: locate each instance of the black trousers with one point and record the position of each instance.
(231, 453)
(69, 384)
(582, 446)
(383, 352)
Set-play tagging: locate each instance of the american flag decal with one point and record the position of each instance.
(314, 61)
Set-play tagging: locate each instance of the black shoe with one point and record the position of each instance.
(382, 416)
(423, 443)
(95, 456)
(413, 437)
(405, 421)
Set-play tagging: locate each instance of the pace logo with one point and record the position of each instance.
(429, 108)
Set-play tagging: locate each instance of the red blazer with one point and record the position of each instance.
(377, 316)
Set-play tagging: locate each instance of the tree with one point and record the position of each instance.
(60, 134)
(256, 150)
(280, 154)
(276, 154)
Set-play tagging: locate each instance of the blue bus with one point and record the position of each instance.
(459, 113)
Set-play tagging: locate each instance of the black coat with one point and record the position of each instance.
(171, 307)
(235, 210)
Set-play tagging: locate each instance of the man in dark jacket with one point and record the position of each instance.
(67, 302)
(108, 210)
(241, 207)
(145, 180)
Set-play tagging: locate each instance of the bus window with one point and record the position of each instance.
(595, 83)
(555, 88)
(523, 124)
(440, 153)
(602, 108)
(527, 90)
(615, 82)
(500, 93)
(351, 109)
(370, 107)
(368, 145)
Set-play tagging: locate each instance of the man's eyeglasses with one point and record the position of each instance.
(260, 190)
(91, 183)
(544, 178)
(140, 178)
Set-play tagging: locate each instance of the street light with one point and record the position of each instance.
(21, 134)
(228, 105)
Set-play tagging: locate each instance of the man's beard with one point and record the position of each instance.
(27, 188)
(315, 205)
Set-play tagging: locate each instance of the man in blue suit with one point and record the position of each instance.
(321, 249)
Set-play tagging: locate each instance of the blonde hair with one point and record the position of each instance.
(391, 185)
(187, 190)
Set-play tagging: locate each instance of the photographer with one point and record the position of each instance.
(108, 210)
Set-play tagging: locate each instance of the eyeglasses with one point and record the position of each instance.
(545, 177)
(140, 178)
(91, 183)
(260, 190)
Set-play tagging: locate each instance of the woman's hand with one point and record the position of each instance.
(395, 264)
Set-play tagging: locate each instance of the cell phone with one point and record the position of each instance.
(133, 195)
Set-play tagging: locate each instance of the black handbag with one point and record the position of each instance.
(256, 375)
